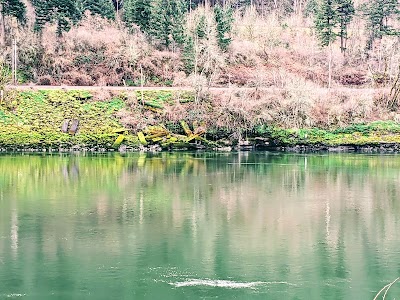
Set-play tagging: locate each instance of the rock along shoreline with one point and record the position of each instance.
(384, 148)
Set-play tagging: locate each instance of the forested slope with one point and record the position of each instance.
(185, 42)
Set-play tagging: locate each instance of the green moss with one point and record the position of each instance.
(35, 120)
(360, 134)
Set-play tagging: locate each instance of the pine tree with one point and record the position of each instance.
(62, 12)
(65, 13)
(325, 21)
(42, 14)
(331, 20)
(224, 20)
(14, 8)
(201, 27)
(138, 12)
(103, 8)
(189, 55)
(345, 12)
(378, 14)
(168, 22)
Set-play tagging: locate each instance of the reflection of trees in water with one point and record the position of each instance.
(281, 214)
(70, 170)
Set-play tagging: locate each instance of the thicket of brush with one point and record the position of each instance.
(275, 53)
(245, 45)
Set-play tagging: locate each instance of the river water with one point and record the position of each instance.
(254, 225)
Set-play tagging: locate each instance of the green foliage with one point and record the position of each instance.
(345, 12)
(379, 13)
(356, 134)
(103, 8)
(14, 8)
(310, 8)
(325, 20)
(34, 120)
(42, 14)
(155, 99)
(61, 12)
(224, 20)
(138, 12)
(201, 27)
(189, 55)
(168, 22)
(5, 75)
(331, 19)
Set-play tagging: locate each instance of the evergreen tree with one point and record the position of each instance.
(189, 55)
(138, 12)
(325, 21)
(332, 16)
(62, 12)
(103, 8)
(345, 12)
(331, 19)
(14, 8)
(42, 14)
(201, 27)
(310, 7)
(168, 22)
(379, 13)
(224, 20)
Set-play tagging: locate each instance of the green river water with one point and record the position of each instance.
(254, 225)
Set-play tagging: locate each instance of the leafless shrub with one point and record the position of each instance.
(45, 80)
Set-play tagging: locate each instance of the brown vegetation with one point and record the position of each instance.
(266, 50)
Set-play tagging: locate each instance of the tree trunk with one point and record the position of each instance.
(342, 41)
(330, 66)
(2, 28)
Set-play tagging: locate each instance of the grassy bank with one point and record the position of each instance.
(40, 120)
(34, 120)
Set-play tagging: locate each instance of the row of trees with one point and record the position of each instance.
(164, 18)
(161, 20)
(332, 18)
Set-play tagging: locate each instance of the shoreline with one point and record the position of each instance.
(384, 148)
(59, 121)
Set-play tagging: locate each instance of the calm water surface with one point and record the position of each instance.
(199, 226)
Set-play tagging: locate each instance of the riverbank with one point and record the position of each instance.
(77, 120)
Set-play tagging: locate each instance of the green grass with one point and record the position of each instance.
(158, 99)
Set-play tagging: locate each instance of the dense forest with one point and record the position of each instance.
(256, 43)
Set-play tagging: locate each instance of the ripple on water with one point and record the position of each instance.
(229, 284)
